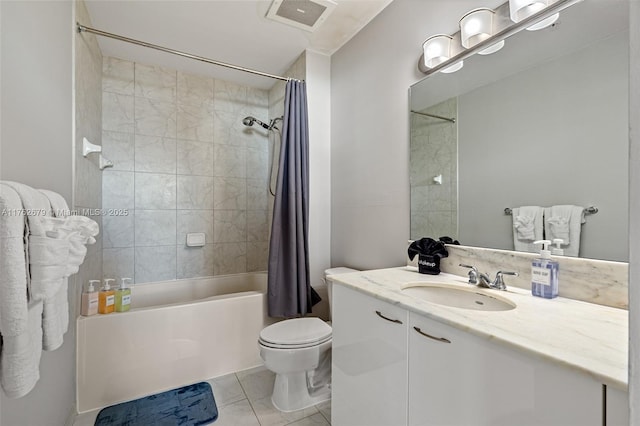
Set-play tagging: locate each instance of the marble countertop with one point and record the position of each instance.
(587, 337)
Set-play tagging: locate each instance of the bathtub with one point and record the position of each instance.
(176, 333)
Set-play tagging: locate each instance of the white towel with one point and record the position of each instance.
(565, 222)
(20, 321)
(13, 266)
(36, 204)
(19, 368)
(527, 227)
(59, 205)
(75, 232)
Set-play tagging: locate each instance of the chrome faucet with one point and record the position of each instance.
(483, 280)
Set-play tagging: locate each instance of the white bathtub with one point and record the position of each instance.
(177, 332)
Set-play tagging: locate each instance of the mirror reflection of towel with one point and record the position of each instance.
(559, 228)
(527, 227)
(565, 222)
(524, 227)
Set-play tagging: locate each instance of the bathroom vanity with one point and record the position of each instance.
(403, 359)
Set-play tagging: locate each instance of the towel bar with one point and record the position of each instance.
(587, 210)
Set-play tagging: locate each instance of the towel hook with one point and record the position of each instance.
(89, 148)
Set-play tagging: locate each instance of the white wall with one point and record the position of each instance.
(370, 77)
(36, 145)
(634, 213)
(318, 77)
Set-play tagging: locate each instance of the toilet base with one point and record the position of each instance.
(291, 392)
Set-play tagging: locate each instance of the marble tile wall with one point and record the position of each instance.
(183, 162)
(434, 151)
(88, 122)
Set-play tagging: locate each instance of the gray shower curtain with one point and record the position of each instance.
(290, 293)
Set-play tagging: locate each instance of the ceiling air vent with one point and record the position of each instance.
(304, 14)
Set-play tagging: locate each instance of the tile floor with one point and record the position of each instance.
(244, 399)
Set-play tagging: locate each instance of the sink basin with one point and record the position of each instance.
(457, 297)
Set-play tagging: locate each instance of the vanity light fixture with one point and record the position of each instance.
(438, 49)
(484, 30)
(521, 9)
(476, 26)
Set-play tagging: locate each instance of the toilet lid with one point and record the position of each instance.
(297, 331)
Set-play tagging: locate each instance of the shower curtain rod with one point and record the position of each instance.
(453, 120)
(82, 28)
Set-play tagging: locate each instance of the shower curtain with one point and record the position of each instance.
(289, 291)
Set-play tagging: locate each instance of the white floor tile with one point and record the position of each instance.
(270, 416)
(226, 390)
(257, 384)
(237, 414)
(325, 410)
(86, 419)
(243, 373)
(315, 420)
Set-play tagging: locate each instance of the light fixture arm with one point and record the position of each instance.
(508, 30)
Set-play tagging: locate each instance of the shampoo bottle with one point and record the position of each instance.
(90, 299)
(123, 296)
(544, 273)
(106, 298)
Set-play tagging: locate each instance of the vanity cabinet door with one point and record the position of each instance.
(369, 368)
(472, 381)
(617, 407)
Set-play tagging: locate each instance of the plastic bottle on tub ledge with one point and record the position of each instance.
(90, 299)
(123, 296)
(106, 298)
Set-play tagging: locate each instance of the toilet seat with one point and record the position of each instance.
(295, 333)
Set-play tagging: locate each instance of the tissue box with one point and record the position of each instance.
(428, 264)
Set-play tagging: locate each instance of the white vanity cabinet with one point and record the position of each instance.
(456, 378)
(369, 360)
(392, 367)
(617, 407)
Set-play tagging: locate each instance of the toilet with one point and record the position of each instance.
(299, 352)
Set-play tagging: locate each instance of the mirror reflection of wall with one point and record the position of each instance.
(434, 171)
(550, 131)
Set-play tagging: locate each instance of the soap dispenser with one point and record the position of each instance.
(557, 250)
(90, 300)
(544, 273)
(106, 298)
(123, 296)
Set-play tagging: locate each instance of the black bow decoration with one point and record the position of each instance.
(429, 253)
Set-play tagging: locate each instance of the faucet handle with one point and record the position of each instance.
(499, 281)
(473, 273)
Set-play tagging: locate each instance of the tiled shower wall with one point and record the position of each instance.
(434, 151)
(183, 162)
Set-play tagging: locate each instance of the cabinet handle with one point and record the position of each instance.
(439, 339)
(397, 321)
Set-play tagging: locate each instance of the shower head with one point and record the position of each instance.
(249, 121)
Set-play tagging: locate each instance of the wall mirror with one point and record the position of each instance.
(542, 122)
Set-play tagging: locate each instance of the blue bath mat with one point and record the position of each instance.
(191, 405)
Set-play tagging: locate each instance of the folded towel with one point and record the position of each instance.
(13, 265)
(19, 368)
(59, 205)
(565, 222)
(55, 318)
(527, 227)
(36, 204)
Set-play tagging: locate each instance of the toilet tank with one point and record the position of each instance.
(334, 271)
